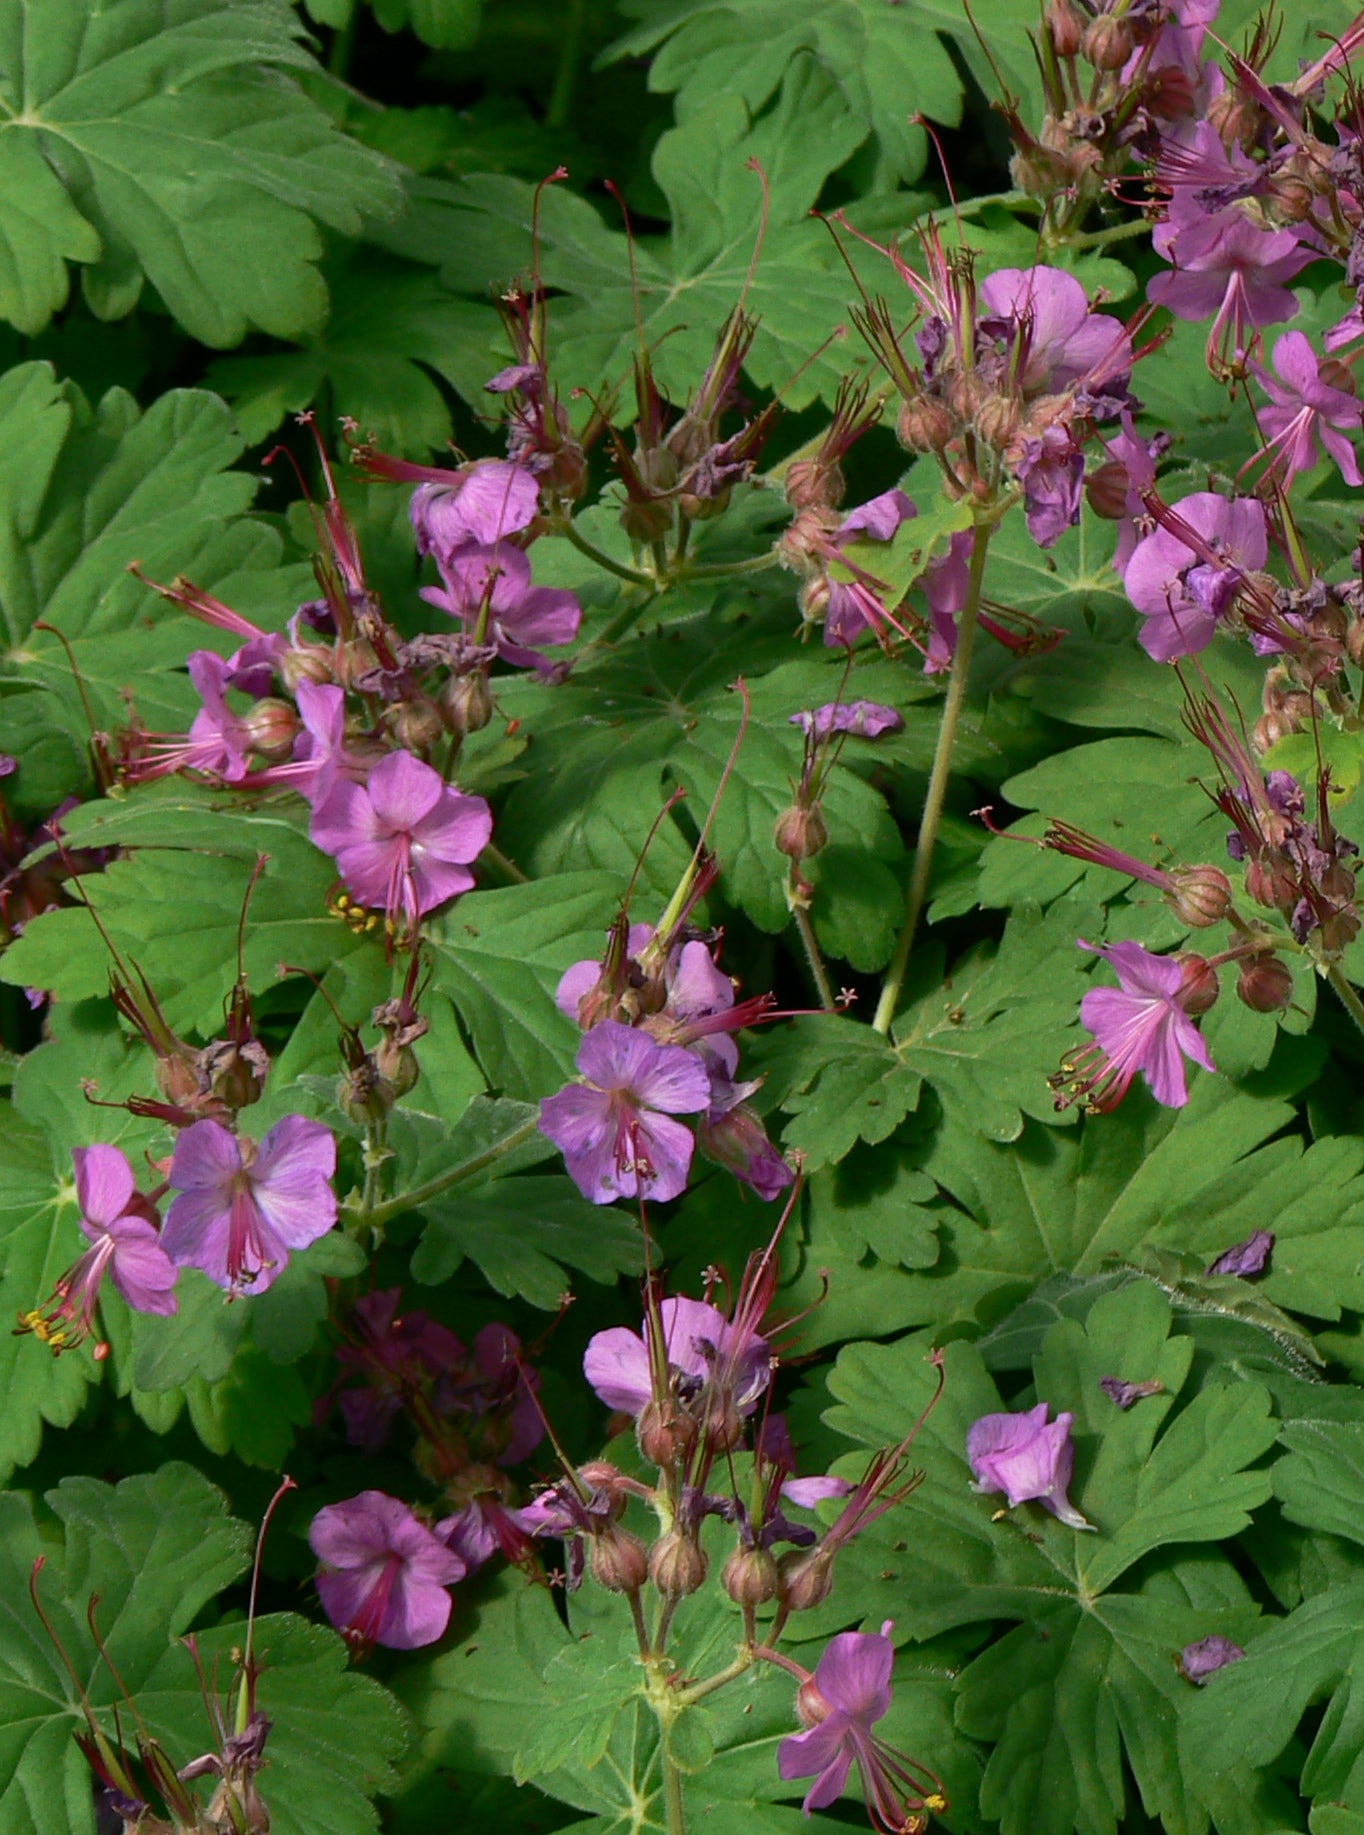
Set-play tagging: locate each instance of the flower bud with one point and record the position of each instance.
(997, 420)
(306, 663)
(1200, 987)
(1106, 488)
(813, 598)
(702, 509)
(1170, 93)
(677, 1565)
(750, 1577)
(1237, 118)
(814, 485)
(1265, 984)
(1271, 885)
(1107, 42)
(800, 833)
(618, 1560)
(468, 702)
(273, 725)
(1065, 27)
(666, 1433)
(724, 1424)
(925, 424)
(804, 544)
(646, 520)
(805, 1578)
(397, 1066)
(1337, 375)
(417, 724)
(1201, 896)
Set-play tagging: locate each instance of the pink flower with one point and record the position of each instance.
(731, 1134)
(1058, 339)
(854, 605)
(1227, 270)
(481, 503)
(615, 1141)
(841, 1703)
(697, 1338)
(1026, 1457)
(403, 840)
(120, 1226)
(863, 719)
(946, 584)
(384, 1574)
(488, 588)
(1304, 408)
(1182, 586)
(242, 1208)
(1141, 1025)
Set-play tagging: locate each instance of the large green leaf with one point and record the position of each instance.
(155, 1550)
(167, 144)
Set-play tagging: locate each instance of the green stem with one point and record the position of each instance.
(1351, 1002)
(818, 973)
(421, 1194)
(938, 782)
(1100, 238)
(699, 1690)
(674, 1812)
(507, 868)
(635, 575)
(566, 76)
(724, 570)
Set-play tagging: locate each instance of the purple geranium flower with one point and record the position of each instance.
(1227, 270)
(863, 719)
(1181, 587)
(384, 1574)
(403, 840)
(1305, 407)
(488, 588)
(840, 1704)
(242, 1208)
(614, 1129)
(946, 584)
(697, 1337)
(1141, 1025)
(120, 1226)
(1026, 1457)
(1248, 1257)
(1059, 339)
(1199, 1661)
(731, 1134)
(487, 501)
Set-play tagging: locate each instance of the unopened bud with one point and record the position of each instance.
(1237, 118)
(605, 1480)
(1264, 984)
(1038, 172)
(1269, 884)
(666, 1433)
(1337, 375)
(750, 1577)
(618, 1560)
(702, 509)
(677, 1565)
(806, 542)
(813, 598)
(724, 1425)
(1199, 989)
(468, 702)
(1065, 27)
(997, 420)
(925, 424)
(1106, 487)
(1170, 93)
(800, 833)
(273, 725)
(1107, 42)
(646, 520)
(417, 724)
(805, 1579)
(397, 1066)
(812, 485)
(1201, 896)
(306, 663)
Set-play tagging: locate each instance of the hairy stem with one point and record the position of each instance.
(818, 973)
(421, 1194)
(507, 868)
(1100, 238)
(675, 1815)
(1347, 996)
(722, 570)
(937, 784)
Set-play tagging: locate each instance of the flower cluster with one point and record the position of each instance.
(658, 1016)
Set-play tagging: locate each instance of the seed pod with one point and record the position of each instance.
(925, 424)
(1200, 987)
(800, 833)
(750, 1577)
(468, 702)
(1107, 42)
(618, 1560)
(805, 1579)
(1202, 896)
(666, 1433)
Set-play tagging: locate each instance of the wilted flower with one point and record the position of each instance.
(615, 1129)
(1123, 1395)
(1248, 1257)
(482, 503)
(1026, 1457)
(840, 1704)
(731, 1134)
(242, 1208)
(120, 1226)
(863, 719)
(403, 841)
(1199, 1661)
(384, 1574)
